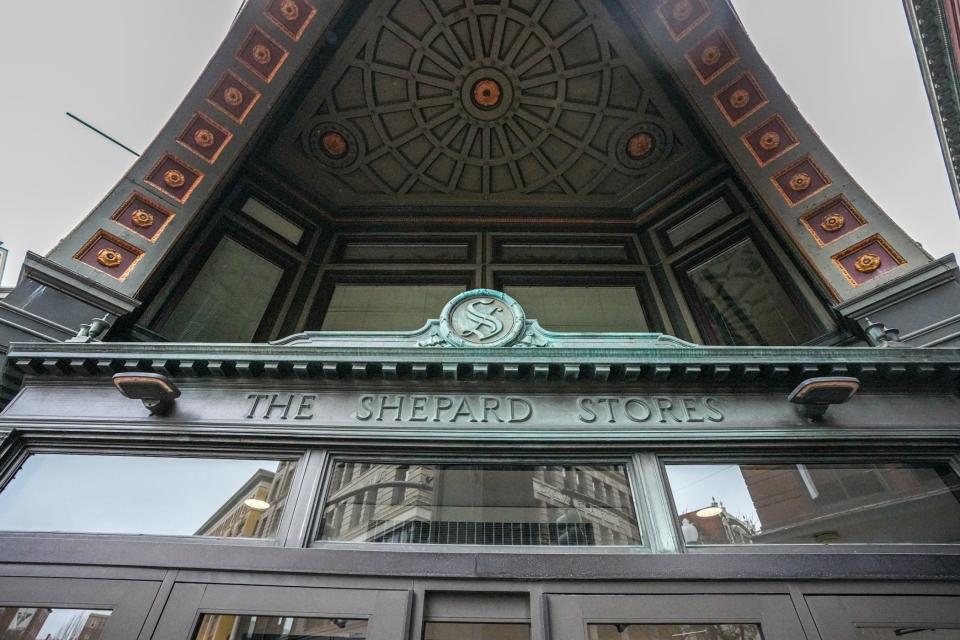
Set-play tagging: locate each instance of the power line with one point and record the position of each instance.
(93, 128)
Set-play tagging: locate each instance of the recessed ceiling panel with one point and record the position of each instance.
(448, 104)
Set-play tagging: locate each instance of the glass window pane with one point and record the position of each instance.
(402, 252)
(272, 220)
(480, 504)
(146, 495)
(475, 631)
(744, 302)
(816, 503)
(578, 309)
(376, 307)
(45, 623)
(700, 631)
(218, 626)
(227, 299)
(519, 252)
(707, 218)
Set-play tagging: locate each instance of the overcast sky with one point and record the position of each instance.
(124, 66)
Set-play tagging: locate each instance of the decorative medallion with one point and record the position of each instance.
(682, 16)
(833, 222)
(291, 16)
(867, 262)
(289, 10)
(740, 99)
(450, 104)
(486, 93)
(334, 144)
(481, 318)
(174, 177)
(800, 181)
(262, 55)
(109, 257)
(712, 56)
(142, 218)
(770, 140)
(639, 145)
(233, 96)
(204, 137)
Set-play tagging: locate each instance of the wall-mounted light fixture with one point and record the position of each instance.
(155, 390)
(815, 395)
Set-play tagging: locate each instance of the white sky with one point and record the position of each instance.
(124, 66)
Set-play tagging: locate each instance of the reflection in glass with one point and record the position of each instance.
(45, 623)
(480, 504)
(582, 309)
(214, 626)
(227, 299)
(146, 495)
(700, 631)
(399, 307)
(475, 631)
(816, 503)
(911, 633)
(744, 301)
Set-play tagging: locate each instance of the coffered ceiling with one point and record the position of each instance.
(481, 104)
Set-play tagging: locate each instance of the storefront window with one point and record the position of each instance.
(582, 309)
(475, 631)
(815, 503)
(45, 623)
(400, 307)
(146, 495)
(484, 504)
(216, 626)
(700, 631)
(741, 301)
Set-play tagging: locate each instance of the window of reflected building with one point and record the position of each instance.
(218, 626)
(154, 495)
(595, 308)
(816, 503)
(46, 623)
(381, 307)
(483, 504)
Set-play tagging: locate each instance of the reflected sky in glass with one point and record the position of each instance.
(695, 487)
(121, 494)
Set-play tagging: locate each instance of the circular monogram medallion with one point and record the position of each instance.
(482, 318)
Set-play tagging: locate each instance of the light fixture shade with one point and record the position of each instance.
(257, 505)
(709, 512)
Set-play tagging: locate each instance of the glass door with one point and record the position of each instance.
(674, 617)
(198, 611)
(847, 617)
